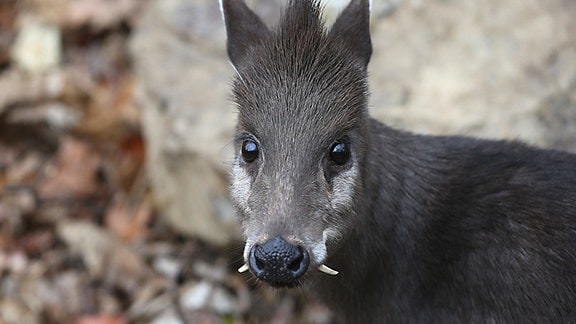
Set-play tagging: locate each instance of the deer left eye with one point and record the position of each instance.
(339, 153)
(249, 151)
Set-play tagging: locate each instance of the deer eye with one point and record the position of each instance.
(339, 153)
(249, 151)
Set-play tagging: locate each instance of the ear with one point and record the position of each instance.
(244, 29)
(353, 28)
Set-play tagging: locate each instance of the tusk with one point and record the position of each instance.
(243, 268)
(326, 270)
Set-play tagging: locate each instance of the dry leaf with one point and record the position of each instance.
(97, 14)
(18, 86)
(13, 262)
(106, 257)
(74, 173)
(129, 222)
(102, 319)
(36, 241)
(100, 14)
(7, 19)
(111, 110)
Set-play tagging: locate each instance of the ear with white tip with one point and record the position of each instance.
(243, 28)
(353, 27)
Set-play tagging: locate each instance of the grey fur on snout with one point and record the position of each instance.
(318, 254)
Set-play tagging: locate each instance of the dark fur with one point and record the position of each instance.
(442, 229)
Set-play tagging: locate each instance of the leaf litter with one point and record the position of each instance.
(80, 238)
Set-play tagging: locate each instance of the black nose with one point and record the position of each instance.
(278, 262)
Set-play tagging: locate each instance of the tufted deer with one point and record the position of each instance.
(403, 228)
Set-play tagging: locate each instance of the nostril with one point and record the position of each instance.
(260, 264)
(298, 260)
(295, 264)
(300, 263)
(257, 260)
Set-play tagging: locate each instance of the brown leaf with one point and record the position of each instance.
(106, 257)
(129, 222)
(102, 319)
(23, 169)
(13, 262)
(36, 241)
(7, 19)
(97, 14)
(112, 109)
(100, 14)
(19, 86)
(74, 173)
(131, 159)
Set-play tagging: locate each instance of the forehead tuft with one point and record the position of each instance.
(299, 71)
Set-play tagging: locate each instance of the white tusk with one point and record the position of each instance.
(326, 270)
(243, 268)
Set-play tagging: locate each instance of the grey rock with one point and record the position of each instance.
(180, 62)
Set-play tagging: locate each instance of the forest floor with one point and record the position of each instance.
(80, 239)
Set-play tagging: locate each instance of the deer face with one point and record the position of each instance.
(301, 135)
(295, 191)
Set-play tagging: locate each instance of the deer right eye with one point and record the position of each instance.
(339, 153)
(249, 151)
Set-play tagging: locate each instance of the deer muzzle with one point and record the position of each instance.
(278, 262)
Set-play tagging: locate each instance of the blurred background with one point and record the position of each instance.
(115, 131)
